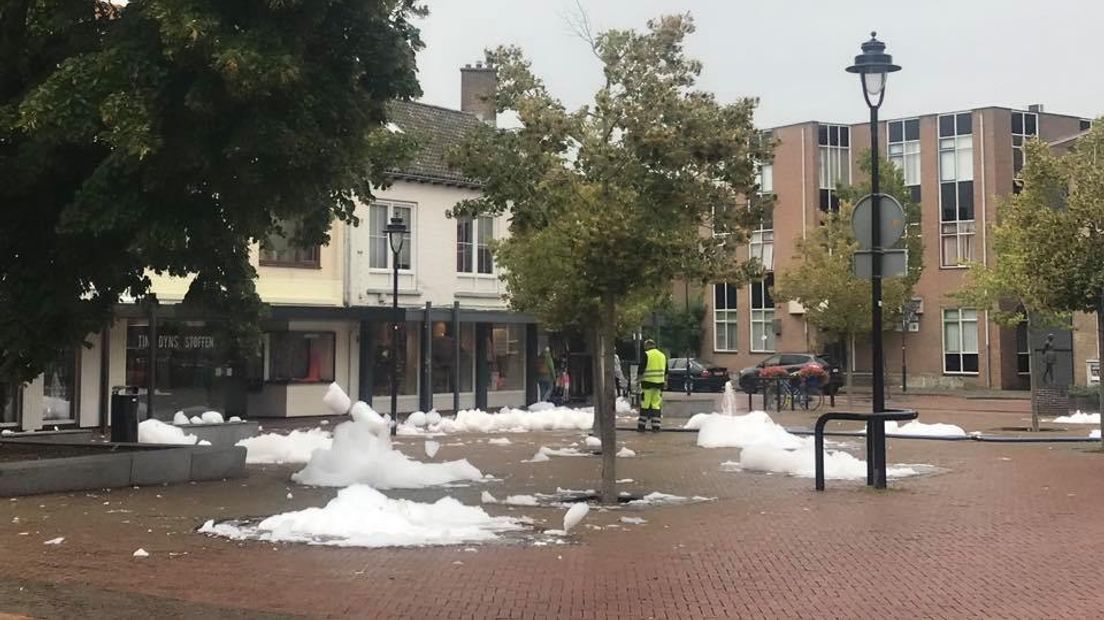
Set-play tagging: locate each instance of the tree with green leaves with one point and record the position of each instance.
(171, 136)
(836, 302)
(1048, 242)
(611, 202)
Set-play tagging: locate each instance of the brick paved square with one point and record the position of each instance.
(1006, 530)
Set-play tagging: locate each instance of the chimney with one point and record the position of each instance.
(1035, 107)
(477, 90)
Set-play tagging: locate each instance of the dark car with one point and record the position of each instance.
(704, 376)
(792, 362)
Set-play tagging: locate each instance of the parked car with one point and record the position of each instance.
(792, 362)
(704, 376)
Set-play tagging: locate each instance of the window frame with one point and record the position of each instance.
(976, 322)
(765, 316)
(910, 150)
(312, 259)
(833, 152)
(410, 243)
(953, 129)
(731, 317)
(477, 247)
(1018, 140)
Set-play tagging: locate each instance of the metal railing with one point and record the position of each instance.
(875, 442)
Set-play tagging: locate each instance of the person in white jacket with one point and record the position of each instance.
(619, 376)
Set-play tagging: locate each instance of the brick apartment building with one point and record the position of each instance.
(959, 165)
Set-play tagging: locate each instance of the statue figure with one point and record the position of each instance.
(1050, 358)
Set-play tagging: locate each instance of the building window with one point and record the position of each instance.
(301, 357)
(473, 244)
(762, 315)
(834, 160)
(408, 338)
(443, 350)
(765, 179)
(960, 341)
(280, 250)
(762, 245)
(904, 152)
(1085, 124)
(379, 249)
(1025, 125)
(956, 189)
(506, 358)
(725, 318)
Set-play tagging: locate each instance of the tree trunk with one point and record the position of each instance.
(849, 346)
(596, 379)
(604, 400)
(1099, 359)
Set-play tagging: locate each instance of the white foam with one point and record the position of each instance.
(295, 447)
(156, 431)
(362, 454)
(361, 516)
(1078, 418)
(336, 399)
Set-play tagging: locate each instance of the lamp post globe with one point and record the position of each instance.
(873, 65)
(396, 237)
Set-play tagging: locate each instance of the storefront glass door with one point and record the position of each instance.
(59, 403)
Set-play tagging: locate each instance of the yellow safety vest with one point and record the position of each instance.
(655, 367)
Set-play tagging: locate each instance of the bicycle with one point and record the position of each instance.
(802, 392)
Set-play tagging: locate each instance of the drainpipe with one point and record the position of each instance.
(985, 250)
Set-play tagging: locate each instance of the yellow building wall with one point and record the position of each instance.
(282, 285)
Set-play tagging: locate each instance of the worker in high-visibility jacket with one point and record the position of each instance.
(652, 381)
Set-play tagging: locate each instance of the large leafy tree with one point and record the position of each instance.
(610, 202)
(1048, 241)
(170, 135)
(822, 279)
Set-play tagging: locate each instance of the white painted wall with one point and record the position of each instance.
(433, 276)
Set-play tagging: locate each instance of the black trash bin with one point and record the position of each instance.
(124, 414)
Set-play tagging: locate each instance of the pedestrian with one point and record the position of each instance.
(653, 380)
(546, 374)
(618, 375)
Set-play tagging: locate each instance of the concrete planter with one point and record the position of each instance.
(225, 434)
(108, 465)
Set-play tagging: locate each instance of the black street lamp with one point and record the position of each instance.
(872, 65)
(396, 237)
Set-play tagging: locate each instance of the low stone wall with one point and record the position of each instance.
(679, 405)
(225, 434)
(118, 465)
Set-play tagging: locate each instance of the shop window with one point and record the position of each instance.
(407, 355)
(9, 404)
(60, 387)
(407, 358)
(190, 369)
(443, 356)
(301, 357)
(506, 358)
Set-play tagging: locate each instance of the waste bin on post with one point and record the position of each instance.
(124, 414)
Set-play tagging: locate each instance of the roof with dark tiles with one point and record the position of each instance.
(436, 130)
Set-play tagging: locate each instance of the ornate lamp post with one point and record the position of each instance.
(873, 65)
(396, 237)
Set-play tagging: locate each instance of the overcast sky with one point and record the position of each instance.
(955, 54)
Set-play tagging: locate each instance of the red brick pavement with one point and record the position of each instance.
(1006, 531)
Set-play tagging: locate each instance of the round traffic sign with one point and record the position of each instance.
(893, 221)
